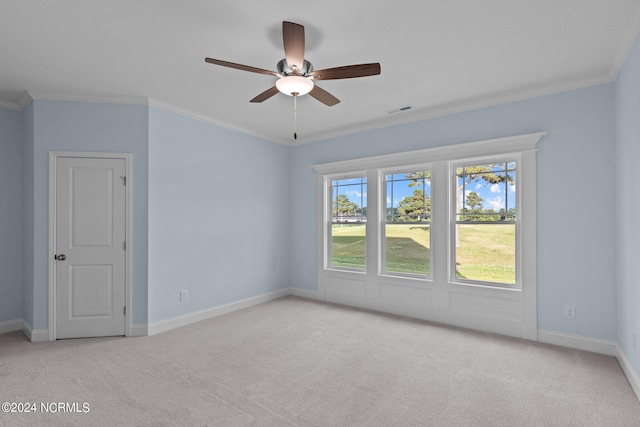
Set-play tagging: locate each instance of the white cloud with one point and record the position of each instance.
(495, 188)
(496, 203)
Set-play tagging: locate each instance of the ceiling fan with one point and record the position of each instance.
(296, 76)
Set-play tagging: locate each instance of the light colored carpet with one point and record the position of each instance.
(299, 362)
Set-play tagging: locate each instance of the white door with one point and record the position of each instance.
(90, 271)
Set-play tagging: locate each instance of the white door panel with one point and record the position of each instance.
(90, 231)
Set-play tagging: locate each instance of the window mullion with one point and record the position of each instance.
(372, 225)
(440, 222)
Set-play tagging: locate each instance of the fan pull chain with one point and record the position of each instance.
(295, 115)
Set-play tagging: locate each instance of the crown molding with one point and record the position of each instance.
(10, 105)
(459, 107)
(106, 99)
(18, 105)
(25, 100)
(28, 97)
(184, 112)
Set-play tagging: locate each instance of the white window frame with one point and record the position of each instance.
(453, 222)
(383, 220)
(328, 186)
(504, 310)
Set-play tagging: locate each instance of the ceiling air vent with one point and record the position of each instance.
(401, 109)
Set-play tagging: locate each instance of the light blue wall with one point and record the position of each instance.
(93, 127)
(575, 194)
(11, 214)
(218, 215)
(627, 129)
(220, 244)
(192, 228)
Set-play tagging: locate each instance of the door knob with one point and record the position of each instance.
(60, 257)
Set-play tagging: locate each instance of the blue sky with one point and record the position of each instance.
(496, 196)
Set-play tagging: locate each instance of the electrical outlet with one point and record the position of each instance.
(184, 295)
(569, 312)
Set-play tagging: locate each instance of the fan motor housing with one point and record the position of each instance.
(285, 70)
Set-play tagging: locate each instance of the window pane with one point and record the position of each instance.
(486, 192)
(408, 248)
(511, 192)
(348, 245)
(408, 222)
(486, 195)
(486, 252)
(348, 219)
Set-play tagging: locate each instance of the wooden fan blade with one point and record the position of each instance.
(241, 67)
(293, 40)
(347, 72)
(266, 94)
(323, 96)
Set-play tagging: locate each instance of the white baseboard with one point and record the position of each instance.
(139, 330)
(186, 319)
(593, 345)
(631, 374)
(40, 335)
(143, 330)
(304, 293)
(10, 326)
(34, 335)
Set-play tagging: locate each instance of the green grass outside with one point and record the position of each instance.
(407, 249)
(485, 252)
(348, 245)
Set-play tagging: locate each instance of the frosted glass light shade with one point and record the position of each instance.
(294, 84)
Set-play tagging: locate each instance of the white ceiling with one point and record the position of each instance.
(438, 56)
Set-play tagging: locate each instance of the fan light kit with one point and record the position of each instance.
(294, 85)
(296, 76)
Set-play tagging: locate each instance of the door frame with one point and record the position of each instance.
(53, 157)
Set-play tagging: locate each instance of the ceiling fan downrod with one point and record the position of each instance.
(295, 115)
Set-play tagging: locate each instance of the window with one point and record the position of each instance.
(407, 223)
(485, 218)
(348, 223)
(447, 233)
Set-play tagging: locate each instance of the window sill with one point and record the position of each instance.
(487, 285)
(345, 271)
(414, 282)
(407, 276)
